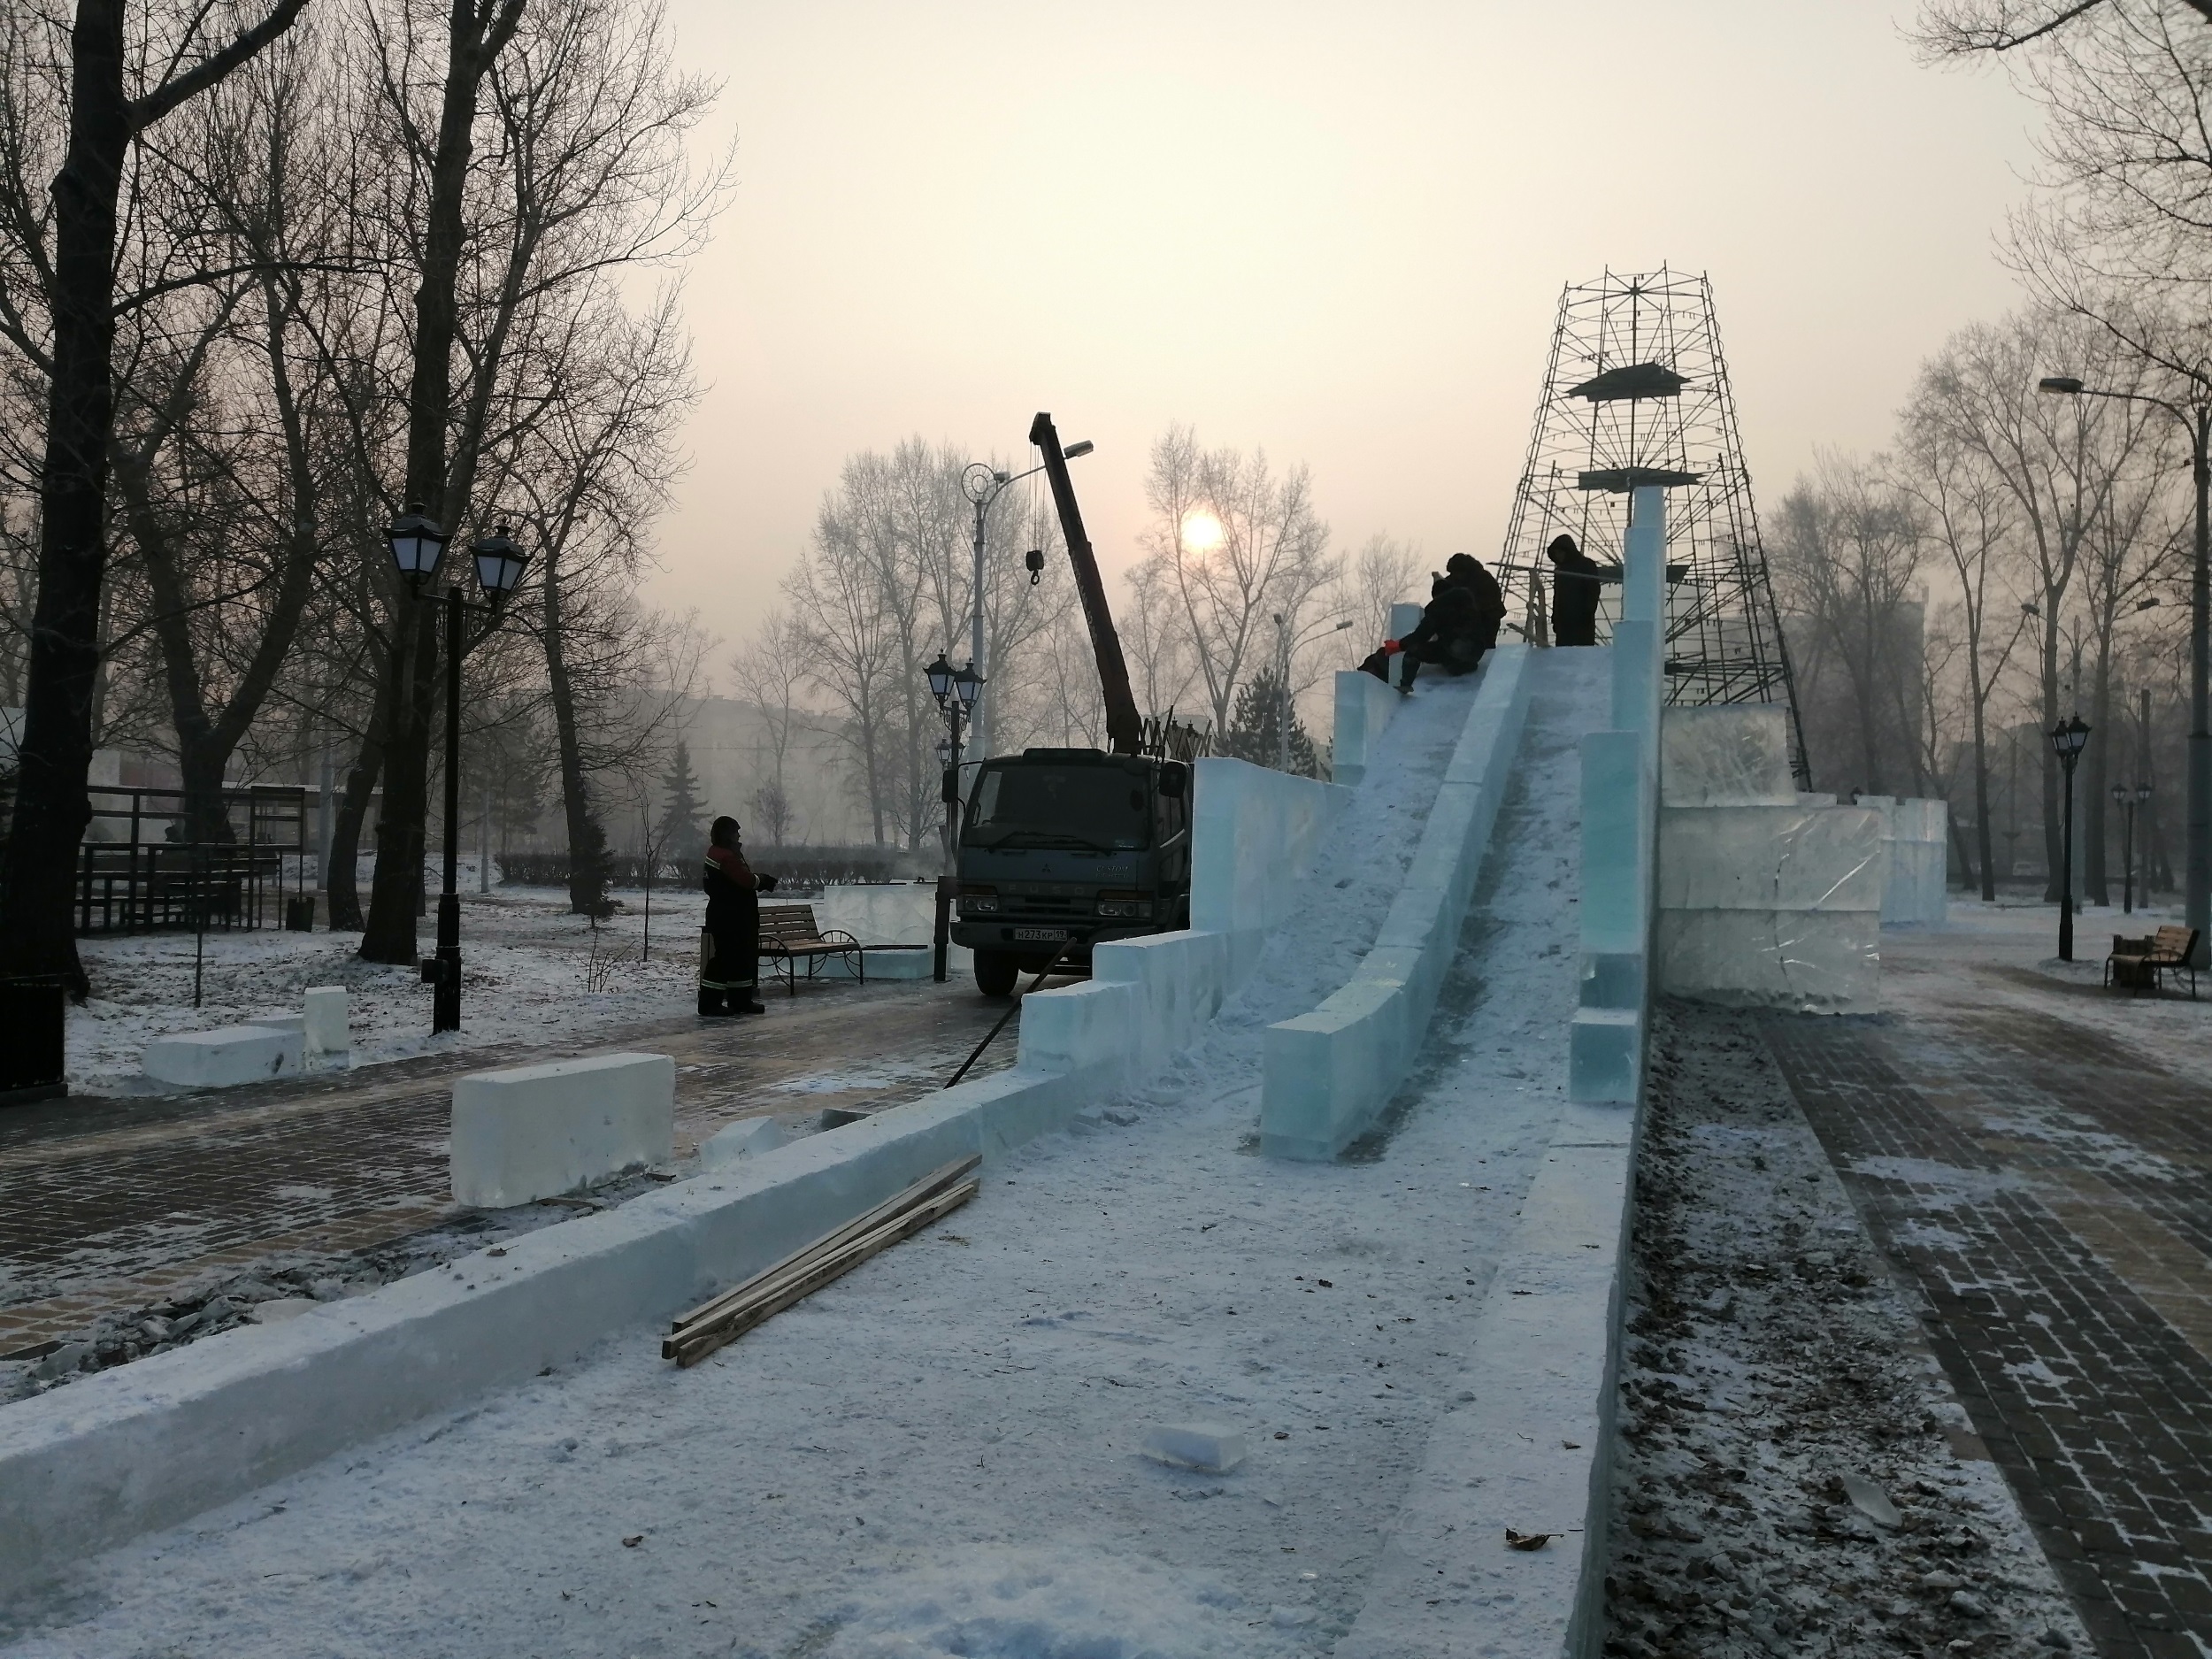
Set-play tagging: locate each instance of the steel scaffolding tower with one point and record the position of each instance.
(1636, 392)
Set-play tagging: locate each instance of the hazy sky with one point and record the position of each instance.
(1336, 232)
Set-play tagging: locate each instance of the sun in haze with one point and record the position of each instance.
(1203, 532)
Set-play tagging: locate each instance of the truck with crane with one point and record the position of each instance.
(1061, 849)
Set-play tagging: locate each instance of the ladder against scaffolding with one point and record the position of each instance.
(1635, 393)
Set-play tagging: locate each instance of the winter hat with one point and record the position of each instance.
(723, 832)
(1562, 546)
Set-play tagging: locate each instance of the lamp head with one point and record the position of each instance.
(939, 674)
(499, 564)
(2068, 738)
(2119, 794)
(416, 545)
(966, 683)
(2142, 792)
(2060, 385)
(1076, 451)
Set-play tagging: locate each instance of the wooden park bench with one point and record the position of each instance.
(2142, 963)
(789, 935)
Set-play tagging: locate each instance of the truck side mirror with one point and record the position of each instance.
(1174, 780)
(950, 795)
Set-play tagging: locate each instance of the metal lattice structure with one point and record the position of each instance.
(1636, 392)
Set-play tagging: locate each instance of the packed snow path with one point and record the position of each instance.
(940, 1454)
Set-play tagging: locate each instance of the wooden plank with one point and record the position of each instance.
(704, 1338)
(865, 1222)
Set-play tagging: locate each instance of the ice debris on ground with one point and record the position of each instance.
(1043, 1604)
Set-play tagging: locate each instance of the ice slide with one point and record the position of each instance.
(942, 1453)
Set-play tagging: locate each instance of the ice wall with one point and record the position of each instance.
(1915, 859)
(1766, 898)
(1620, 771)
(1364, 707)
(1254, 832)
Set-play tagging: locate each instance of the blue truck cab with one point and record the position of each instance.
(1062, 848)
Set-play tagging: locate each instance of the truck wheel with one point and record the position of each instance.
(995, 972)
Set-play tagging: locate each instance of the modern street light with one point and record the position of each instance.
(418, 547)
(1284, 646)
(2067, 738)
(983, 484)
(955, 690)
(2196, 419)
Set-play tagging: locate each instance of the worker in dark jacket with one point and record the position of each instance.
(1461, 622)
(729, 945)
(1574, 593)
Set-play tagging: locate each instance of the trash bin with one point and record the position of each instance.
(299, 914)
(31, 1023)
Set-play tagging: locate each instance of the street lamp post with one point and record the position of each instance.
(418, 548)
(2126, 803)
(2197, 421)
(955, 690)
(1284, 646)
(2067, 738)
(983, 485)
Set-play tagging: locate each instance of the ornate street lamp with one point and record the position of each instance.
(499, 567)
(416, 544)
(955, 690)
(2067, 738)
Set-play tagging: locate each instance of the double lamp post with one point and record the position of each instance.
(418, 546)
(955, 690)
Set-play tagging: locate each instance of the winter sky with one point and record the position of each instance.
(1336, 231)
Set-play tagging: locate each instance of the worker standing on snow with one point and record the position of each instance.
(729, 945)
(1574, 593)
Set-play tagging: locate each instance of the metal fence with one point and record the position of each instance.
(137, 873)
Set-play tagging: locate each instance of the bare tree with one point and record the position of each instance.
(1385, 572)
(1968, 511)
(1847, 559)
(59, 306)
(767, 672)
(1236, 546)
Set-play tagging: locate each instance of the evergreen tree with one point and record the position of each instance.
(682, 834)
(1255, 734)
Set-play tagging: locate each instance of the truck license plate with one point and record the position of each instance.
(1042, 935)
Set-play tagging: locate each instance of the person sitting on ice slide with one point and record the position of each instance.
(1460, 623)
(729, 945)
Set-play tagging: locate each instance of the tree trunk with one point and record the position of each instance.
(2053, 831)
(2094, 825)
(586, 841)
(55, 756)
(1981, 795)
(473, 40)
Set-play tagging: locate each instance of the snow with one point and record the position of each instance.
(942, 1452)
(528, 968)
(1773, 1367)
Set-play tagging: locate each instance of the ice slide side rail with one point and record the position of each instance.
(1328, 1074)
(143, 1446)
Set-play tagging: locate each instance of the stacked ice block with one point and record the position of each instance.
(1766, 898)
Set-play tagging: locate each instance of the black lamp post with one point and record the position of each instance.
(955, 690)
(2142, 799)
(418, 549)
(2067, 738)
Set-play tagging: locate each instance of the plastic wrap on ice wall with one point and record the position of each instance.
(1733, 755)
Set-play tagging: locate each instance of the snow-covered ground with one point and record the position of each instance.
(531, 972)
(2021, 940)
(938, 1455)
(1770, 1360)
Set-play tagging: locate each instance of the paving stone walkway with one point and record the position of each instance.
(2035, 1155)
(110, 1202)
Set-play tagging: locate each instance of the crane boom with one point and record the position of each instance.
(1124, 727)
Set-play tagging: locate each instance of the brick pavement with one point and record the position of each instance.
(108, 1203)
(2047, 1188)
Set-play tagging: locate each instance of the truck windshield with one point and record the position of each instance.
(1103, 808)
